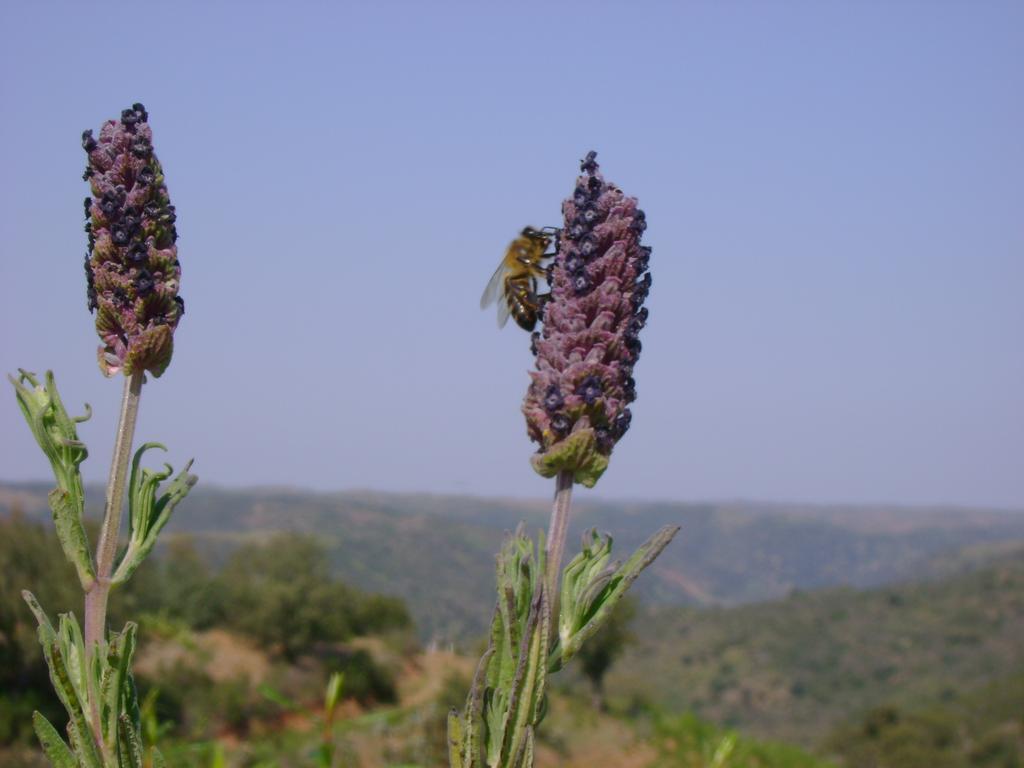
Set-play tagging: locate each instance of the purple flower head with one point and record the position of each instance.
(577, 404)
(132, 271)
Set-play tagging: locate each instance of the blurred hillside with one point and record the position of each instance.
(232, 665)
(795, 668)
(437, 552)
(235, 652)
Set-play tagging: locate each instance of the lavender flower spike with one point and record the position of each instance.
(131, 268)
(576, 407)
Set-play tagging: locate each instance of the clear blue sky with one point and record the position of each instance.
(834, 191)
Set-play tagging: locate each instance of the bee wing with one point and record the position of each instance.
(495, 287)
(495, 291)
(503, 311)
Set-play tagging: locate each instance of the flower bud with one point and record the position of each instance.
(132, 269)
(576, 407)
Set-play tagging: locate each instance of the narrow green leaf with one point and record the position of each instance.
(592, 616)
(83, 746)
(474, 707)
(67, 519)
(72, 647)
(147, 514)
(524, 757)
(37, 610)
(78, 728)
(129, 744)
(537, 704)
(529, 677)
(54, 431)
(142, 492)
(456, 744)
(124, 756)
(528, 752)
(66, 690)
(333, 692)
(58, 752)
(118, 689)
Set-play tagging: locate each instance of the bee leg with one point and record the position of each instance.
(556, 235)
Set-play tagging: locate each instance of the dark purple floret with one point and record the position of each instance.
(581, 282)
(589, 214)
(88, 142)
(553, 400)
(141, 148)
(589, 342)
(640, 291)
(574, 263)
(130, 118)
(90, 288)
(137, 254)
(645, 256)
(146, 176)
(637, 322)
(144, 282)
(121, 233)
(560, 424)
(622, 422)
(576, 230)
(109, 204)
(629, 388)
(590, 389)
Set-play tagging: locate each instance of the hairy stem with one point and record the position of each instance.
(96, 597)
(556, 533)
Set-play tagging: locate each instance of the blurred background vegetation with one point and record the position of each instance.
(908, 655)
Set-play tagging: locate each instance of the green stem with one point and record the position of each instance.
(556, 533)
(96, 596)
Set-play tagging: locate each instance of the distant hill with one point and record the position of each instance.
(796, 668)
(975, 728)
(437, 551)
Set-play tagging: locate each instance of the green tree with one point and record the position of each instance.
(282, 595)
(190, 592)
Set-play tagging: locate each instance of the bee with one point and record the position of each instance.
(514, 283)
